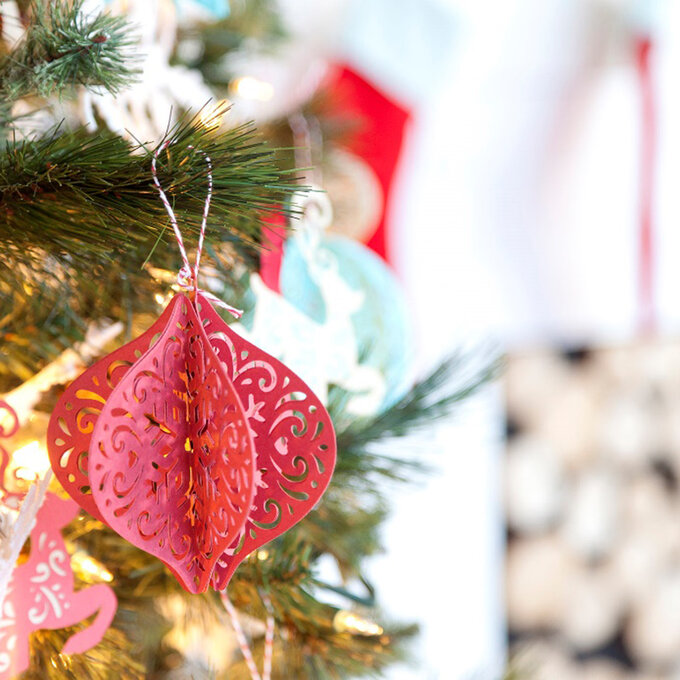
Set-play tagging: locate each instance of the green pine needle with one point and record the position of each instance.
(432, 398)
(63, 48)
(85, 198)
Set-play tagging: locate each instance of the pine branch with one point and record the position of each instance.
(79, 215)
(111, 659)
(346, 526)
(431, 399)
(86, 198)
(308, 645)
(63, 48)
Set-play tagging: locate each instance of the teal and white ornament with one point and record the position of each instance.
(381, 323)
(341, 316)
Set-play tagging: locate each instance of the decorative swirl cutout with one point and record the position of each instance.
(172, 465)
(163, 392)
(293, 436)
(9, 424)
(40, 594)
(77, 411)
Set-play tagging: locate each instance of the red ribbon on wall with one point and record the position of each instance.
(648, 140)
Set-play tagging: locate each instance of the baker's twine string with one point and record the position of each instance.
(243, 642)
(187, 278)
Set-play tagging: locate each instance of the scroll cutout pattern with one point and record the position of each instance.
(75, 416)
(9, 425)
(39, 591)
(172, 465)
(293, 441)
(41, 594)
(293, 437)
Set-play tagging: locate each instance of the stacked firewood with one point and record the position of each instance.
(593, 513)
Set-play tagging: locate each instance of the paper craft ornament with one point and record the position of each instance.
(380, 324)
(144, 109)
(191, 442)
(41, 595)
(38, 593)
(171, 460)
(323, 354)
(341, 318)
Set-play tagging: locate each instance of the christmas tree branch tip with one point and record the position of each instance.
(90, 198)
(63, 47)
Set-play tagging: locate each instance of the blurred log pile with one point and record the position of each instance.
(593, 513)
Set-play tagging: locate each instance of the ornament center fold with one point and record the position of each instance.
(171, 463)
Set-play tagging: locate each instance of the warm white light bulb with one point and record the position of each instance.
(89, 569)
(348, 622)
(249, 87)
(31, 461)
(211, 117)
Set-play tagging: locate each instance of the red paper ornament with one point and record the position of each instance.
(190, 442)
(118, 444)
(171, 461)
(292, 433)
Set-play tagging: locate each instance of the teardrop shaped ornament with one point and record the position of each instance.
(171, 460)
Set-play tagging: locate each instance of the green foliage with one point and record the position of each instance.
(112, 659)
(79, 217)
(90, 198)
(63, 48)
(430, 399)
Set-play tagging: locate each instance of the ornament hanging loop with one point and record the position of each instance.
(187, 277)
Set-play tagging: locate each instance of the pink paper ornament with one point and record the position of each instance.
(41, 596)
(190, 442)
(171, 460)
(40, 591)
(70, 429)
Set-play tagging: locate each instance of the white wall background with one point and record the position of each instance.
(516, 216)
(517, 219)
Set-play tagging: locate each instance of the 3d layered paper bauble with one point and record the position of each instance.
(193, 444)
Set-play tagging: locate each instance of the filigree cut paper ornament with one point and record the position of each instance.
(171, 460)
(192, 443)
(41, 595)
(38, 594)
